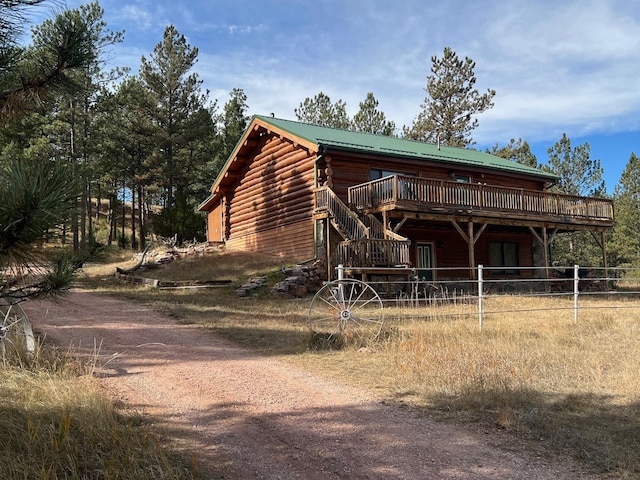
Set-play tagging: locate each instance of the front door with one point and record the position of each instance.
(425, 261)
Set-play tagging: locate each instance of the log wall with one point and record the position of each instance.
(270, 209)
(294, 241)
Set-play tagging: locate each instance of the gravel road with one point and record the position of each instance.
(247, 416)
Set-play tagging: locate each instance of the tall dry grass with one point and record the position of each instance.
(567, 387)
(56, 423)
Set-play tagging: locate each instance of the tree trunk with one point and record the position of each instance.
(134, 243)
(141, 219)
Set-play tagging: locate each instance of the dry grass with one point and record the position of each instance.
(55, 423)
(572, 388)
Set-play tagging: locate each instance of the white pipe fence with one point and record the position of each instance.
(454, 286)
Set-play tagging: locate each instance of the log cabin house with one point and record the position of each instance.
(385, 205)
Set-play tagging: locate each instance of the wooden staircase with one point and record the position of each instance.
(366, 242)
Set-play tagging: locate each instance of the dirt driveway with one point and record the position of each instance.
(250, 417)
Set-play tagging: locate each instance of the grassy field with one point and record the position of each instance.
(569, 388)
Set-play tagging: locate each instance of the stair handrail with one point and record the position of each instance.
(343, 216)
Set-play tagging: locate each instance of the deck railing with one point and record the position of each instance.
(448, 194)
(370, 252)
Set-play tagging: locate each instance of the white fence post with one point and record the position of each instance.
(576, 282)
(340, 269)
(480, 306)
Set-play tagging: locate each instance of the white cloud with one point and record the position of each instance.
(556, 66)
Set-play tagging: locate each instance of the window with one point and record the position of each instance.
(462, 178)
(504, 254)
(377, 173)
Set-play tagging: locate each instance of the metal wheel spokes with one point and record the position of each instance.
(346, 310)
(16, 335)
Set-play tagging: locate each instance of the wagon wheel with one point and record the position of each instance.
(16, 336)
(346, 310)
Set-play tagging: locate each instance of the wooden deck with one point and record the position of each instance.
(416, 197)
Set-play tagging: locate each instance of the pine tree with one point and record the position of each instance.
(517, 151)
(36, 193)
(371, 120)
(452, 102)
(625, 242)
(234, 121)
(183, 128)
(320, 110)
(74, 117)
(579, 175)
(31, 76)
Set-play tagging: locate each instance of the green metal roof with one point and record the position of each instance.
(334, 138)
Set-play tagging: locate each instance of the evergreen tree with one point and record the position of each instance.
(125, 134)
(517, 151)
(321, 111)
(74, 117)
(234, 122)
(452, 101)
(176, 95)
(177, 100)
(36, 193)
(625, 242)
(371, 120)
(580, 175)
(31, 76)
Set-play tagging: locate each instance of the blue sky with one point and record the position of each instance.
(568, 66)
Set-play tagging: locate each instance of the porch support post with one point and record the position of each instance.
(328, 245)
(605, 262)
(544, 243)
(472, 250)
(399, 225)
(471, 240)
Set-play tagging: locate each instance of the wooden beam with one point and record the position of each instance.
(399, 225)
(599, 241)
(605, 262)
(536, 236)
(397, 211)
(327, 227)
(471, 239)
(460, 231)
(477, 236)
(602, 243)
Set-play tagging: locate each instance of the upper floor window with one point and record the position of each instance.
(377, 173)
(462, 178)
